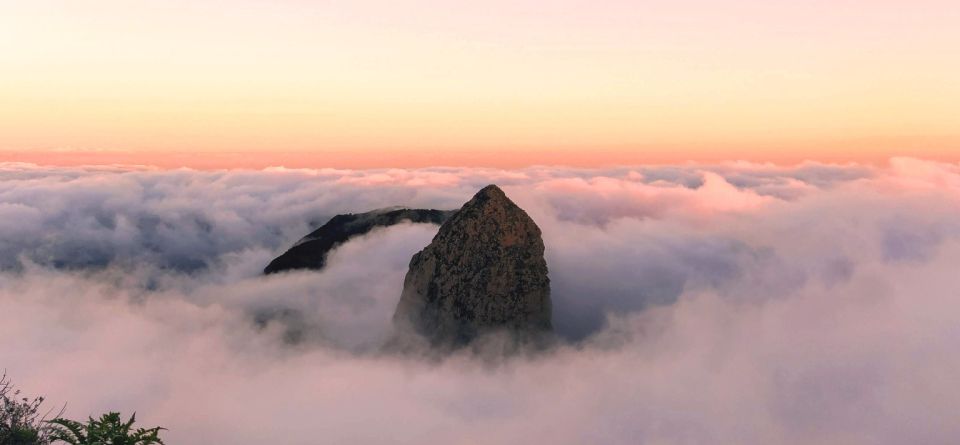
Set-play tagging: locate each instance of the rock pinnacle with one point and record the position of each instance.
(484, 271)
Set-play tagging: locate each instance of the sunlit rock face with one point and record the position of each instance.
(483, 272)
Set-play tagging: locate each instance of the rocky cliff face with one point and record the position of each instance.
(311, 251)
(483, 272)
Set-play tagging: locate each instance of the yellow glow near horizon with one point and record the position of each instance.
(545, 81)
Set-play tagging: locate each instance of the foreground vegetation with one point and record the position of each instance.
(23, 423)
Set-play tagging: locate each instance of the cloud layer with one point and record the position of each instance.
(732, 303)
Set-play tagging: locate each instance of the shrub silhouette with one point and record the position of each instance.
(22, 424)
(20, 420)
(107, 430)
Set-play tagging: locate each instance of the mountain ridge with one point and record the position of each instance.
(310, 252)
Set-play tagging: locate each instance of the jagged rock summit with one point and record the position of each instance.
(484, 271)
(311, 251)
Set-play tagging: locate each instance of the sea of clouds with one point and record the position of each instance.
(733, 304)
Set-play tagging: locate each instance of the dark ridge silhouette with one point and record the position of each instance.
(310, 252)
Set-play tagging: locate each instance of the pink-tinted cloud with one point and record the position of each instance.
(734, 303)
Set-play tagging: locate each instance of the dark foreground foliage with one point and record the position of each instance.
(21, 423)
(107, 430)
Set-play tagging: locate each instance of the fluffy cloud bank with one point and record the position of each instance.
(734, 303)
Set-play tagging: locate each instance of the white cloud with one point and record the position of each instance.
(737, 303)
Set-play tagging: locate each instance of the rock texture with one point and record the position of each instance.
(484, 271)
(311, 251)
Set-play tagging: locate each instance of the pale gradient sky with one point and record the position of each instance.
(504, 83)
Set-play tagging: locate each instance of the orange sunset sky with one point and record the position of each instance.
(248, 83)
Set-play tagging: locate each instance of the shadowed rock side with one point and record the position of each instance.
(484, 271)
(311, 251)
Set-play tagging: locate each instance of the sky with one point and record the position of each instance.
(749, 209)
(362, 84)
(717, 303)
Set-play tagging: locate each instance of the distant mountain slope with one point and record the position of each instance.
(311, 251)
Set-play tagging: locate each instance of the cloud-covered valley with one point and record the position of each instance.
(731, 303)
